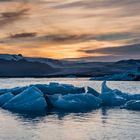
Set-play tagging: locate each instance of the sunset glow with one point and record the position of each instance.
(71, 29)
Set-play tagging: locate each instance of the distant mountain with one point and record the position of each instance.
(20, 66)
(17, 65)
(11, 57)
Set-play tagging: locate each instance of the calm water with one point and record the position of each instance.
(100, 124)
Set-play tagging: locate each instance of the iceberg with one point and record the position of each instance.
(14, 91)
(39, 97)
(133, 105)
(109, 96)
(18, 90)
(127, 76)
(5, 98)
(56, 88)
(42, 87)
(50, 89)
(30, 99)
(116, 92)
(3, 91)
(92, 91)
(128, 96)
(75, 102)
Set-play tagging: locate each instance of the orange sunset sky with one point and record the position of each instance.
(100, 30)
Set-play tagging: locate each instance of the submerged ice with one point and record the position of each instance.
(66, 97)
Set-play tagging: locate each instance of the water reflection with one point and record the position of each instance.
(104, 115)
(55, 124)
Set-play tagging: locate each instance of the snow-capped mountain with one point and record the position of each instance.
(20, 66)
(11, 57)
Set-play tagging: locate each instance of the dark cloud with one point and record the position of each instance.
(117, 36)
(50, 38)
(5, 0)
(67, 37)
(77, 37)
(12, 16)
(133, 49)
(97, 4)
(23, 35)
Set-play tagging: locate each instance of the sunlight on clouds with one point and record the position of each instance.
(63, 27)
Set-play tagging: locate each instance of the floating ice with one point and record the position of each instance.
(5, 98)
(128, 76)
(50, 89)
(66, 97)
(14, 91)
(30, 99)
(116, 92)
(75, 102)
(133, 105)
(92, 91)
(109, 96)
(56, 88)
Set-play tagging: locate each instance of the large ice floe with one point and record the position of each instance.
(41, 97)
(5, 98)
(75, 102)
(31, 99)
(56, 88)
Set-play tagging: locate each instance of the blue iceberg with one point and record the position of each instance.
(109, 96)
(39, 97)
(56, 88)
(15, 90)
(92, 91)
(30, 99)
(50, 89)
(75, 102)
(132, 105)
(5, 98)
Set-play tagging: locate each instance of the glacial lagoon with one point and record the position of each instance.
(105, 123)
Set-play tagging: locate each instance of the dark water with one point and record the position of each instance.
(100, 124)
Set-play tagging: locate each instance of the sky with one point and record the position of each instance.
(90, 30)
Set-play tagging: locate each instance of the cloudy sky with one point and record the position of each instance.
(99, 30)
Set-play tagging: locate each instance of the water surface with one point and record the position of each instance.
(100, 124)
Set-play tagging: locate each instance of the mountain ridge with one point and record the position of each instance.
(12, 65)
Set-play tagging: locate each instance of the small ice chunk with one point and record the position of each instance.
(5, 98)
(30, 99)
(133, 105)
